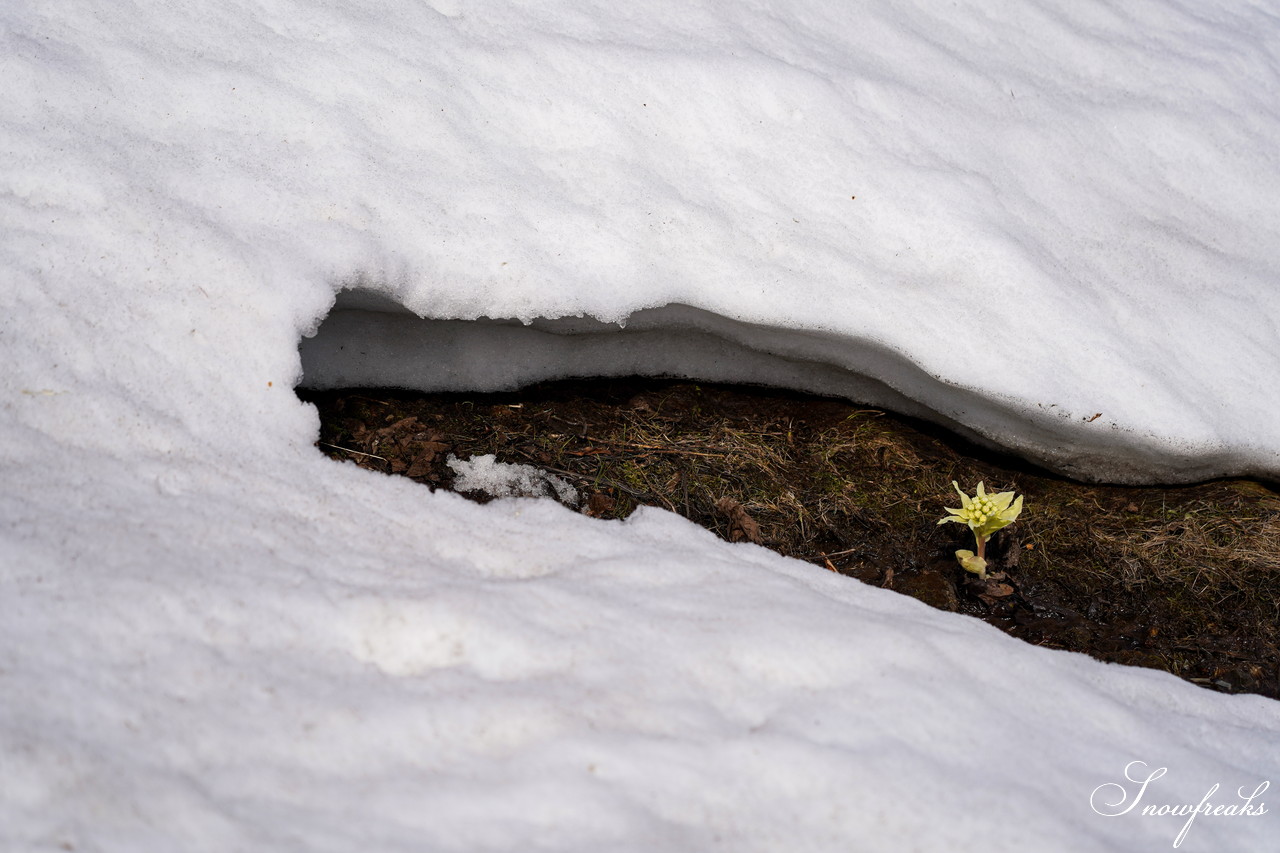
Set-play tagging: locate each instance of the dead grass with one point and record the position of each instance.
(1184, 579)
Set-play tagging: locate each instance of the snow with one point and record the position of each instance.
(212, 638)
(485, 474)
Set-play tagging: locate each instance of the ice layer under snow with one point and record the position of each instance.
(1014, 217)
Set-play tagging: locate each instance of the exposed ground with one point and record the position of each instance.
(1183, 579)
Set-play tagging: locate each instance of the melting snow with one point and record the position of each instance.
(506, 480)
(1049, 223)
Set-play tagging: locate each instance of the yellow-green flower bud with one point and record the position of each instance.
(984, 514)
(971, 562)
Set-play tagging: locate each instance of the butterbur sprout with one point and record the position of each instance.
(984, 514)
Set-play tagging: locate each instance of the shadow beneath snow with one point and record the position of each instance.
(369, 340)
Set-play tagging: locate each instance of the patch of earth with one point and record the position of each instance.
(1184, 579)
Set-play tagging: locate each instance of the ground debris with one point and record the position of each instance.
(742, 527)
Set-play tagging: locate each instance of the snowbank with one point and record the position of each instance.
(212, 638)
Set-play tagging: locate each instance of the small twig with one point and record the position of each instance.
(684, 488)
(349, 450)
(660, 496)
(613, 484)
(1203, 650)
(658, 449)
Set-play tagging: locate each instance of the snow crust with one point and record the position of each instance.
(212, 638)
(506, 480)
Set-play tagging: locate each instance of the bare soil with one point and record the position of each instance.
(1184, 579)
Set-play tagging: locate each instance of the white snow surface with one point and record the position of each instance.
(496, 479)
(1014, 216)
